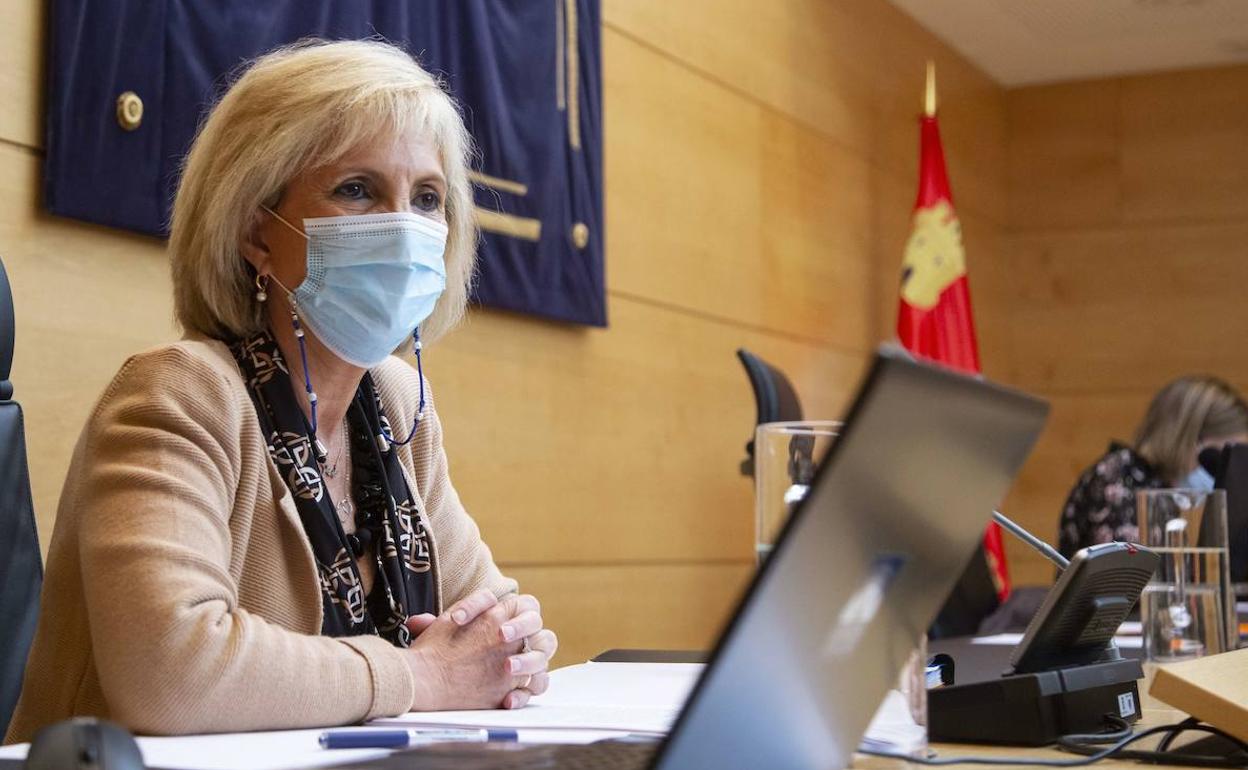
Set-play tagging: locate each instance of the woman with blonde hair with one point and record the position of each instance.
(258, 529)
(1186, 416)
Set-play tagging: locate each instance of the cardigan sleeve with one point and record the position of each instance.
(155, 484)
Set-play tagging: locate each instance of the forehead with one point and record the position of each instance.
(410, 155)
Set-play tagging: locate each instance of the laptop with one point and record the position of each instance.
(864, 563)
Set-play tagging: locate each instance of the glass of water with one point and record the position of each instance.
(786, 455)
(1184, 609)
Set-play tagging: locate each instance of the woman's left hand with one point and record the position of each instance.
(535, 661)
(541, 648)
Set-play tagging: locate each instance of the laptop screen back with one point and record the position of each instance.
(860, 571)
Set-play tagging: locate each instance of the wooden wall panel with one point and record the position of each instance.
(576, 446)
(21, 72)
(1185, 146)
(768, 217)
(851, 69)
(1129, 307)
(85, 298)
(646, 606)
(1126, 257)
(1063, 158)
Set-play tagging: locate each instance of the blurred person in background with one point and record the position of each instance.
(1186, 416)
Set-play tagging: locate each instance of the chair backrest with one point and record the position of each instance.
(774, 397)
(1230, 471)
(21, 567)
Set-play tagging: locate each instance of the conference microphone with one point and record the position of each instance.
(1044, 548)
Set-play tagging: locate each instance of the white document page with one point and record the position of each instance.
(625, 697)
(636, 698)
(1012, 640)
(587, 702)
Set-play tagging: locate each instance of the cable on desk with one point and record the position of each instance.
(1085, 745)
(1163, 756)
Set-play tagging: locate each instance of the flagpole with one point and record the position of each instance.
(929, 96)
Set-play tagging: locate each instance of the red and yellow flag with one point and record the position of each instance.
(934, 319)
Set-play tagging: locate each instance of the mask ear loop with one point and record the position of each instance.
(386, 440)
(389, 440)
(321, 453)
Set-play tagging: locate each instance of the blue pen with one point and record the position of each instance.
(399, 739)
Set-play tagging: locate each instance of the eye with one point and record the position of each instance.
(428, 200)
(354, 190)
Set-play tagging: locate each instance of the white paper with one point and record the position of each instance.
(624, 697)
(1012, 640)
(999, 639)
(893, 727)
(541, 716)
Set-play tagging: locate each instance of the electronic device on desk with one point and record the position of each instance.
(1066, 674)
(84, 743)
(858, 572)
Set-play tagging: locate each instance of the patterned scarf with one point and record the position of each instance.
(387, 517)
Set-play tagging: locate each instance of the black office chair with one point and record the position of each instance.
(1229, 467)
(774, 397)
(21, 566)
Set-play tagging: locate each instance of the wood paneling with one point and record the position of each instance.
(21, 72)
(573, 445)
(1129, 307)
(596, 608)
(1064, 155)
(851, 69)
(1185, 146)
(731, 209)
(85, 297)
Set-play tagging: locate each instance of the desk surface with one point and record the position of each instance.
(1154, 714)
(1152, 717)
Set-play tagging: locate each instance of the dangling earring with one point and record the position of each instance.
(262, 285)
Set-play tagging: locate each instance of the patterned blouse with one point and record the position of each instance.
(1101, 507)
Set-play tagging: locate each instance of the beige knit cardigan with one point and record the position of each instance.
(181, 595)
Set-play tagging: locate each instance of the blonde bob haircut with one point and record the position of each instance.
(295, 108)
(1184, 414)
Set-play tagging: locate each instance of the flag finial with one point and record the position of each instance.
(929, 97)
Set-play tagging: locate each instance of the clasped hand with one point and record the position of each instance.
(482, 652)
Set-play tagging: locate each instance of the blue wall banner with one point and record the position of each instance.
(129, 81)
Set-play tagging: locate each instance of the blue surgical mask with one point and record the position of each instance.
(1199, 479)
(371, 280)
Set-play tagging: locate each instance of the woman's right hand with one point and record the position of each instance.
(463, 659)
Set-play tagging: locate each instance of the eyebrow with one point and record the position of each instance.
(424, 178)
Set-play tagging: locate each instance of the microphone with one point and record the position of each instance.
(1046, 550)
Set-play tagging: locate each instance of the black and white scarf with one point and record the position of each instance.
(387, 516)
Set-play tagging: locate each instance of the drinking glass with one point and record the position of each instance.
(1184, 608)
(786, 455)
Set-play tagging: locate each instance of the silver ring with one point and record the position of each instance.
(524, 645)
